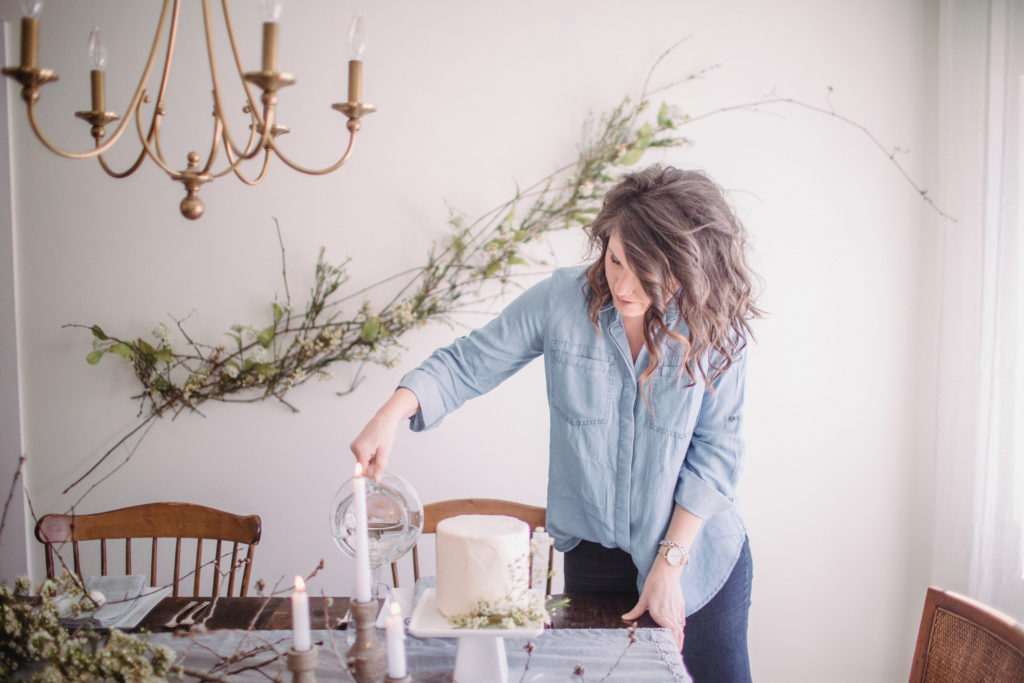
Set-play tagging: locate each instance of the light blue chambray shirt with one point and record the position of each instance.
(615, 469)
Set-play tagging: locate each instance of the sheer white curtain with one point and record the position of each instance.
(979, 465)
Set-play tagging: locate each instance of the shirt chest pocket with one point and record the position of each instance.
(674, 399)
(579, 382)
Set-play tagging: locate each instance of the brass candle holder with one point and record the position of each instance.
(303, 665)
(367, 658)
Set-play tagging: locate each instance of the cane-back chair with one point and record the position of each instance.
(152, 522)
(435, 512)
(963, 641)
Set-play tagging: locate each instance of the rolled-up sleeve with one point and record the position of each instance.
(475, 364)
(714, 459)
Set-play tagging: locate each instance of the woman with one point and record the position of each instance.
(644, 362)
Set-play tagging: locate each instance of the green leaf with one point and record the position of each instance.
(237, 338)
(97, 332)
(266, 337)
(123, 350)
(516, 261)
(645, 133)
(94, 357)
(370, 329)
(278, 312)
(665, 116)
(146, 348)
(520, 235)
(265, 369)
(165, 355)
(631, 157)
(492, 269)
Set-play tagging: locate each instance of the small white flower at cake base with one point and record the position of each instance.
(521, 607)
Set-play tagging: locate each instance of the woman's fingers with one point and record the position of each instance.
(673, 620)
(637, 611)
(372, 448)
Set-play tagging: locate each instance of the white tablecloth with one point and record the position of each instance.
(557, 652)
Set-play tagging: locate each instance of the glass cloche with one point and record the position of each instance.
(394, 519)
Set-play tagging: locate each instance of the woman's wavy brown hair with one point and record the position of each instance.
(685, 244)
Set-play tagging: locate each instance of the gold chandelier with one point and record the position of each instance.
(263, 129)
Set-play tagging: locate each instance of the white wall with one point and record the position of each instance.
(474, 96)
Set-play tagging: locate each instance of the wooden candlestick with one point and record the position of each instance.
(367, 658)
(303, 665)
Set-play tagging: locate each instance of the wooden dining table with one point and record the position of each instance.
(245, 638)
(583, 610)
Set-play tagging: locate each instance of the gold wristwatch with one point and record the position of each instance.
(675, 554)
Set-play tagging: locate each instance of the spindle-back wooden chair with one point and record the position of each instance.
(154, 521)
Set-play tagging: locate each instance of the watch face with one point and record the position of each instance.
(674, 556)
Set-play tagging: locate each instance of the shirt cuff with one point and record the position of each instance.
(432, 409)
(699, 497)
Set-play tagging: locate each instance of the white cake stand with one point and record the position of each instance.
(480, 655)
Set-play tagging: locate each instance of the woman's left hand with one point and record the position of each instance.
(663, 598)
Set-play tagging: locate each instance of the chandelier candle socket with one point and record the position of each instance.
(301, 640)
(258, 144)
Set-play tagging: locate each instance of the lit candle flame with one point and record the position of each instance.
(300, 585)
(396, 609)
(359, 469)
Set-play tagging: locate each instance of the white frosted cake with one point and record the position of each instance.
(480, 558)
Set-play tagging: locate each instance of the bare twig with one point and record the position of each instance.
(10, 492)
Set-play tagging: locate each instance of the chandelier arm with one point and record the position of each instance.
(235, 168)
(235, 163)
(254, 110)
(158, 108)
(132, 106)
(152, 153)
(218, 129)
(311, 171)
(154, 136)
(218, 107)
(122, 174)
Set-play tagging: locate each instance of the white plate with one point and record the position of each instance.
(428, 622)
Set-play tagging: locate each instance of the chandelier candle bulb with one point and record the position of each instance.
(362, 537)
(396, 643)
(270, 46)
(300, 617)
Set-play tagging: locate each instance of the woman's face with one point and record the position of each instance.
(628, 295)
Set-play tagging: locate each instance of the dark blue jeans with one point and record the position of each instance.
(715, 646)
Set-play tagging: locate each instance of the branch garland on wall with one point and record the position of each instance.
(301, 343)
(296, 345)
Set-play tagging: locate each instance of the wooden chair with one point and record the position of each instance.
(435, 512)
(155, 521)
(961, 641)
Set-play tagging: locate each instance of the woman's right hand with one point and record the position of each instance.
(372, 447)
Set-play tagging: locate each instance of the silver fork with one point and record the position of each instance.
(173, 621)
(190, 618)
